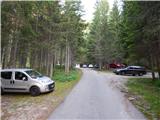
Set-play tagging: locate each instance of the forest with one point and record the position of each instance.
(128, 34)
(38, 34)
(41, 34)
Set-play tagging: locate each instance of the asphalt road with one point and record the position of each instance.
(97, 97)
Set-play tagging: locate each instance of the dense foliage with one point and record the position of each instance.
(103, 45)
(140, 33)
(40, 34)
(129, 35)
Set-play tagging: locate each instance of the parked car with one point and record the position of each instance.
(84, 66)
(25, 80)
(96, 66)
(77, 66)
(116, 65)
(90, 66)
(133, 70)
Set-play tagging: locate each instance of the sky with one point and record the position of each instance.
(89, 8)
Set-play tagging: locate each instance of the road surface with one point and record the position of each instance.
(97, 97)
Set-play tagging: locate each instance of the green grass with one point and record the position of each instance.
(60, 76)
(148, 92)
(63, 81)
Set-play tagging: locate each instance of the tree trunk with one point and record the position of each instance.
(3, 58)
(152, 66)
(12, 62)
(55, 59)
(61, 55)
(48, 64)
(32, 57)
(23, 54)
(158, 65)
(158, 74)
(67, 58)
(51, 67)
(40, 60)
(153, 75)
(100, 65)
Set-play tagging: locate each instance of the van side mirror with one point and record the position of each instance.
(24, 79)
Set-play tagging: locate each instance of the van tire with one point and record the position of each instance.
(140, 74)
(122, 73)
(34, 91)
(133, 74)
(2, 92)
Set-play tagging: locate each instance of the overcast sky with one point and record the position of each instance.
(89, 7)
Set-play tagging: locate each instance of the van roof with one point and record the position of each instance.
(16, 69)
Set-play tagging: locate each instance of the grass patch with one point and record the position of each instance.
(60, 76)
(64, 81)
(148, 92)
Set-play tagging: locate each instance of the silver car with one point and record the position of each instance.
(25, 80)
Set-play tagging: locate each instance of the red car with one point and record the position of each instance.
(116, 65)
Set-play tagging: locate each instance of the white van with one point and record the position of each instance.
(25, 80)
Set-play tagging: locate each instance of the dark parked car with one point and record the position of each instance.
(132, 70)
(96, 66)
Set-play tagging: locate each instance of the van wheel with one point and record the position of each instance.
(2, 92)
(140, 74)
(34, 91)
(122, 73)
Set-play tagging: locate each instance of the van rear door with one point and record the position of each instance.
(7, 80)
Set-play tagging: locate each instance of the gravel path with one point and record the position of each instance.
(96, 96)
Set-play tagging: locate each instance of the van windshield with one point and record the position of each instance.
(33, 74)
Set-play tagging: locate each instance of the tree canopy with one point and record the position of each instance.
(130, 35)
(41, 34)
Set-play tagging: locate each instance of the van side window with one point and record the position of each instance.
(20, 75)
(131, 68)
(6, 75)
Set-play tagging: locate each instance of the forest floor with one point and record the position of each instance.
(20, 106)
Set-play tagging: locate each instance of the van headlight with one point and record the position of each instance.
(44, 81)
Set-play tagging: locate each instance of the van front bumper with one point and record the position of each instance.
(49, 87)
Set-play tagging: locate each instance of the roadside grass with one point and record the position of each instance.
(60, 76)
(147, 94)
(23, 106)
(64, 81)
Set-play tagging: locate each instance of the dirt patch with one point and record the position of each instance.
(20, 106)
